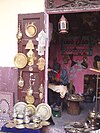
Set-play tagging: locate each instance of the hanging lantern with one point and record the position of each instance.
(63, 25)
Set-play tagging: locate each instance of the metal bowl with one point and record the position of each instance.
(36, 119)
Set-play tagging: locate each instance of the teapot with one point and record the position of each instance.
(92, 114)
(92, 119)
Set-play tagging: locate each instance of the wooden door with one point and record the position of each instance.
(30, 25)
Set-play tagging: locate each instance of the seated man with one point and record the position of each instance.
(58, 81)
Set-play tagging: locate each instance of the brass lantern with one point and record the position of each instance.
(63, 25)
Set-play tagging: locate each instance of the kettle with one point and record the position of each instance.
(92, 114)
(92, 118)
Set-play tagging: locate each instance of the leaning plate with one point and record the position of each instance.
(31, 108)
(20, 107)
(20, 60)
(44, 110)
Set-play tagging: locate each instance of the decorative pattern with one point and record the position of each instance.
(6, 106)
(7, 98)
(72, 4)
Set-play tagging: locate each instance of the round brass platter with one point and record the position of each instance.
(31, 30)
(44, 110)
(20, 60)
(31, 109)
(29, 99)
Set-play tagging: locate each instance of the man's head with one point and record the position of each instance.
(57, 67)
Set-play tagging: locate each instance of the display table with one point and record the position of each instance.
(15, 130)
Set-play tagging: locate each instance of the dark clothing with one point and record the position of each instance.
(63, 77)
(54, 97)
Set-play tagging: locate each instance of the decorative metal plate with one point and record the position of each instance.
(30, 30)
(31, 109)
(31, 125)
(29, 99)
(20, 60)
(9, 125)
(45, 123)
(44, 111)
(20, 107)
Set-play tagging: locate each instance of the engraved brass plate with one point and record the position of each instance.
(29, 99)
(31, 108)
(30, 30)
(20, 60)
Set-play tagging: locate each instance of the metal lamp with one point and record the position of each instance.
(63, 25)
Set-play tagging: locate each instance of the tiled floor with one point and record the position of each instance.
(66, 118)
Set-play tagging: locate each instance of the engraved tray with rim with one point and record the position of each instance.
(44, 110)
(31, 108)
(31, 30)
(20, 107)
(20, 60)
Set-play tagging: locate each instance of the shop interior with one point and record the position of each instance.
(76, 49)
(77, 46)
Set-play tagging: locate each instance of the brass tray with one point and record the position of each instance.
(31, 30)
(32, 126)
(9, 125)
(29, 99)
(78, 125)
(44, 111)
(20, 60)
(45, 123)
(31, 109)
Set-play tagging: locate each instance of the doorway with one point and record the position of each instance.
(70, 49)
(81, 33)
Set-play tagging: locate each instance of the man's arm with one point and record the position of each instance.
(64, 77)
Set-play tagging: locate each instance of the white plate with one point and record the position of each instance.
(20, 107)
(44, 110)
